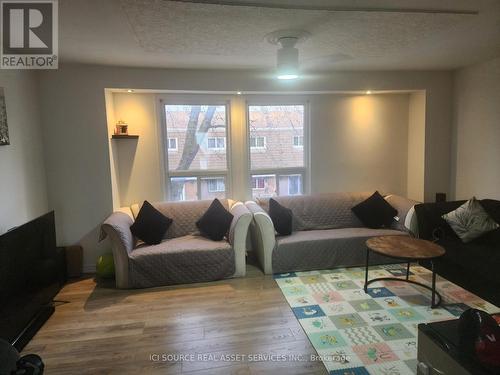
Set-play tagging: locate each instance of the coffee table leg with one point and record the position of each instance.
(408, 271)
(366, 268)
(433, 301)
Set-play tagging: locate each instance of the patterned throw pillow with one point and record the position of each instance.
(470, 220)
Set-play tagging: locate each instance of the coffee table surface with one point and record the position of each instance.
(405, 247)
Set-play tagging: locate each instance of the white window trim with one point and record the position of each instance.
(258, 147)
(176, 144)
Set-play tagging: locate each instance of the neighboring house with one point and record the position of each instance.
(276, 139)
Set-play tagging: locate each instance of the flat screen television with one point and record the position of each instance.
(31, 274)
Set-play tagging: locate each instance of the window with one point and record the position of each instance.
(281, 169)
(257, 143)
(172, 144)
(196, 131)
(258, 182)
(216, 143)
(264, 185)
(298, 141)
(215, 185)
(294, 183)
(183, 189)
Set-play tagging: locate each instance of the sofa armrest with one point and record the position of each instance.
(238, 233)
(403, 206)
(117, 228)
(263, 236)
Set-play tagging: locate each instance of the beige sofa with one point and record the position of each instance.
(183, 256)
(326, 233)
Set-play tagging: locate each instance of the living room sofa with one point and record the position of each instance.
(184, 256)
(474, 265)
(326, 233)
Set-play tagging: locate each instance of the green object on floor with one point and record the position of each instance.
(106, 266)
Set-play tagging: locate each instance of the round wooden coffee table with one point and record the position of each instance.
(410, 250)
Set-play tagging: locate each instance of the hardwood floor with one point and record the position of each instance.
(102, 330)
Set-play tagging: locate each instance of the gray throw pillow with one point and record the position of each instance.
(470, 220)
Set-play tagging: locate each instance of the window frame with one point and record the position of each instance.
(263, 177)
(193, 99)
(300, 184)
(298, 137)
(256, 148)
(176, 144)
(216, 148)
(304, 171)
(216, 179)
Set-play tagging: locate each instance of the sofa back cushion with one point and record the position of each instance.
(492, 207)
(431, 224)
(183, 214)
(321, 211)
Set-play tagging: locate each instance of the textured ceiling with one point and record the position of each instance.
(162, 33)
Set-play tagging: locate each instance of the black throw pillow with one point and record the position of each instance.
(375, 212)
(150, 225)
(282, 218)
(215, 222)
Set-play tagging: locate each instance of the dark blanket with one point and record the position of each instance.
(474, 265)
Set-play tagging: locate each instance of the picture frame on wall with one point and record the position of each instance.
(4, 128)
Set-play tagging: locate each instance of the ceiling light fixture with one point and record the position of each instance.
(287, 61)
(238, 92)
(368, 92)
(130, 90)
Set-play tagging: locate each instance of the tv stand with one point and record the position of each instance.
(33, 326)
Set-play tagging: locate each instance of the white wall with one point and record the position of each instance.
(23, 194)
(477, 131)
(416, 146)
(138, 160)
(360, 143)
(77, 152)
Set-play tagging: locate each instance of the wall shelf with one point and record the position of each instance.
(123, 136)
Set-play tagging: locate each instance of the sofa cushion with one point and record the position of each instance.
(492, 206)
(470, 220)
(281, 218)
(479, 257)
(150, 225)
(215, 222)
(184, 215)
(431, 225)
(375, 212)
(321, 211)
(328, 248)
(183, 259)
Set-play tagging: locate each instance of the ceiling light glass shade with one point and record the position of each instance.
(288, 76)
(288, 60)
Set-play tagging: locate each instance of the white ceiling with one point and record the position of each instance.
(162, 33)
